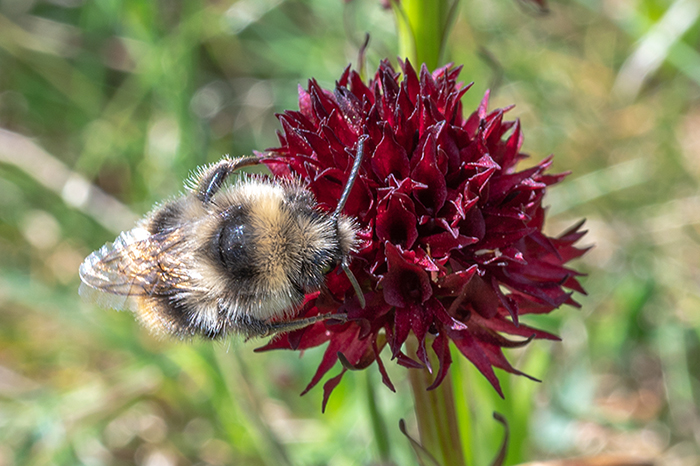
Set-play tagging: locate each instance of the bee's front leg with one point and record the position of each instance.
(208, 182)
(252, 327)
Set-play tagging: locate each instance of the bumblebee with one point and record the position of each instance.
(234, 260)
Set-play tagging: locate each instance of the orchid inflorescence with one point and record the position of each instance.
(451, 234)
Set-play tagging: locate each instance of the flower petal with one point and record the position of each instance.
(405, 283)
(389, 157)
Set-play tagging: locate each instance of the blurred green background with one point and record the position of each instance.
(129, 96)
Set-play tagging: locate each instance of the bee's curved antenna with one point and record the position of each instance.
(353, 175)
(341, 204)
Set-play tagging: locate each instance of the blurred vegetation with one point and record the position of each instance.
(133, 95)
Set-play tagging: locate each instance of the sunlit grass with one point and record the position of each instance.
(134, 95)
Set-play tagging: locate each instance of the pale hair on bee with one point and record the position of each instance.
(235, 260)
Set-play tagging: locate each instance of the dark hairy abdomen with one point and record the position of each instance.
(166, 217)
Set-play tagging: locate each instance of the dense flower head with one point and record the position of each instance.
(451, 242)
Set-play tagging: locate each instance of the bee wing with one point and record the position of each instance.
(136, 264)
(107, 300)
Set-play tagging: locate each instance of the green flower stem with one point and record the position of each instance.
(436, 415)
(379, 429)
(422, 29)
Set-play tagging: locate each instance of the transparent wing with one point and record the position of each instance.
(136, 264)
(107, 300)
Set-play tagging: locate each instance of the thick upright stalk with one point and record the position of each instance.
(379, 430)
(436, 416)
(422, 29)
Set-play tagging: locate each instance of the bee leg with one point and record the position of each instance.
(257, 328)
(210, 181)
(296, 324)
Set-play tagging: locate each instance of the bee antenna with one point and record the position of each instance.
(355, 285)
(341, 204)
(353, 175)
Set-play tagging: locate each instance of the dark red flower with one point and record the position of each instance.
(452, 247)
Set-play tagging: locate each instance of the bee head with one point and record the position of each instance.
(325, 243)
